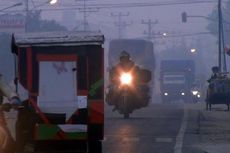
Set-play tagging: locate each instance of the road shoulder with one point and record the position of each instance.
(207, 131)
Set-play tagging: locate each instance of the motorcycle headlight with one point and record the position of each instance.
(166, 94)
(182, 93)
(126, 78)
(198, 96)
(194, 92)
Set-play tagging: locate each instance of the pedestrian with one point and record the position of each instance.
(6, 140)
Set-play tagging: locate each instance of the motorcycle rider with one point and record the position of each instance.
(7, 142)
(125, 64)
(129, 88)
(125, 61)
(215, 72)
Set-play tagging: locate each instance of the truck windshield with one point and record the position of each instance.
(173, 79)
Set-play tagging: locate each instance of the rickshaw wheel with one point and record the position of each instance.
(228, 106)
(95, 146)
(126, 115)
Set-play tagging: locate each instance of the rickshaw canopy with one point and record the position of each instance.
(73, 38)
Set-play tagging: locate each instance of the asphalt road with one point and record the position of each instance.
(153, 129)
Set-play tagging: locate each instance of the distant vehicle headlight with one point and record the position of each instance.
(182, 93)
(166, 94)
(198, 96)
(194, 92)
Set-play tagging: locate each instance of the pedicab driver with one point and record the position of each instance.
(7, 143)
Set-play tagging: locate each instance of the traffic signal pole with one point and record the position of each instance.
(219, 36)
(221, 44)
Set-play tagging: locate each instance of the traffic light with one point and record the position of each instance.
(184, 17)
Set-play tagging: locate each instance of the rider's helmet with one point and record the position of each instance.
(215, 69)
(124, 56)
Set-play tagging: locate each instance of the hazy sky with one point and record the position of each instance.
(169, 21)
(169, 17)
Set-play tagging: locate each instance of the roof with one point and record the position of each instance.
(138, 40)
(58, 38)
(177, 65)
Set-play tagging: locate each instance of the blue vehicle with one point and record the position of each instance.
(176, 80)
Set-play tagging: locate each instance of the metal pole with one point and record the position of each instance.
(219, 43)
(27, 13)
(223, 43)
(150, 30)
(119, 26)
(150, 25)
(84, 15)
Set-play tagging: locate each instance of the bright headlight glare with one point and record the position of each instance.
(166, 94)
(52, 2)
(126, 78)
(182, 93)
(198, 96)
(194, 92)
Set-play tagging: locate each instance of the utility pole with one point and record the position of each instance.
(85, 22)
(221, 43)
(26, 6)
(150, 25)
(86, 10)
(27, 14)
(121, 24)
(219, 32)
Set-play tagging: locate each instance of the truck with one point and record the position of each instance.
(176, 80)
(140, 50)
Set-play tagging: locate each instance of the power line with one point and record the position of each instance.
(121, 24)
(123, 5)
(144, 4)
(182, 35)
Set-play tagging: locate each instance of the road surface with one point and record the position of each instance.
(167, 128)
(154, 129)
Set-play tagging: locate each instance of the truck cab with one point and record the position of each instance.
(176, 79)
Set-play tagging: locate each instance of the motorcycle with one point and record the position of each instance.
(127, 94)
(126, 80)
(196, 96)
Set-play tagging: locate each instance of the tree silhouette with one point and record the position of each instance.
(34, 24)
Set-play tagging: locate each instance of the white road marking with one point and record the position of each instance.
(133, 139)
(163, 140)
(180, 137)
(125, 139)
